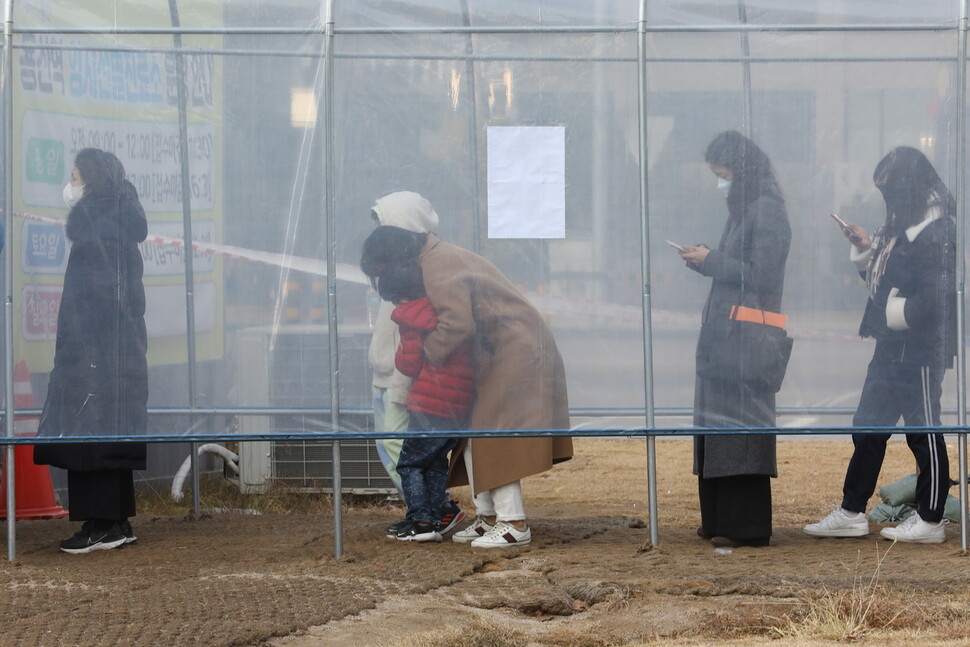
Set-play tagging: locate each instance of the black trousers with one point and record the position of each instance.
(892, 391)
(103, 495)
(738, 507)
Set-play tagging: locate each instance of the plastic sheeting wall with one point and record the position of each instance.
(826, 88)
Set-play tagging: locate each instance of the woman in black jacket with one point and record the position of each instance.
(99, 383)
(748, 270)
(909, 266)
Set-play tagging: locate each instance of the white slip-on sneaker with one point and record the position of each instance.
(478, 529)
(840, 523)
(503, 535)
(914, 530)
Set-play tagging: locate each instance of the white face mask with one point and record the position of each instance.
(724, 186)
(72, 194)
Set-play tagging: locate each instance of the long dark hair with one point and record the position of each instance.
(753, 176)
(909, 185)
(389, 247)
(101, 171)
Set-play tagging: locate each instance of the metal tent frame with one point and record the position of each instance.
(330, 31)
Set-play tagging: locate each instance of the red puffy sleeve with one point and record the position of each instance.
(410, 353)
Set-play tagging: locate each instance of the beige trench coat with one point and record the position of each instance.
(520, 381)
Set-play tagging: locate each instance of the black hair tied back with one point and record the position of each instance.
(390, 246)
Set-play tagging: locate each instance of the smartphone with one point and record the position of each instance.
(843, 224)
(679, 248)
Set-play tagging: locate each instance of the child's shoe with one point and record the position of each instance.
(478, 529)
(418, 531)
(451, 516)
(397, 527)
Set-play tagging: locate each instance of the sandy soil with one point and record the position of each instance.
(590, 578)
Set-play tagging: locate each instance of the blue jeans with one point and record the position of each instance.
(423, 466)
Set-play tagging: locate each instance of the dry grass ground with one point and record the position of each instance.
(590, 578)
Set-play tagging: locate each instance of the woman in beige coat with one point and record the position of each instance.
(520, 378)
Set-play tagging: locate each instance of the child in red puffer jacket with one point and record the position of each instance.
(439, 400)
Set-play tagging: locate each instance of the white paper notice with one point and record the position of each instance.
(527, 182)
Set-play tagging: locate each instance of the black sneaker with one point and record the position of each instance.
(125, 528)
(93, 537)
(397, 527)
(451, 516)
(418, 531)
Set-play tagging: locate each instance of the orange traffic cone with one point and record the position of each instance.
(35, 492)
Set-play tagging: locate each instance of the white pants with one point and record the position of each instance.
(503, 502)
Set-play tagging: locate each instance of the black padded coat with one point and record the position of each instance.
(923, 270)
(99, 384)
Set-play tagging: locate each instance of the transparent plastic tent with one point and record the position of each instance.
(297, 115)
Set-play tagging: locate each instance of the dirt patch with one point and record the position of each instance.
(589, 579)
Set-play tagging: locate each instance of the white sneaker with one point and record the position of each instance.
(504, 534)
(916, 531)
(840, 523)
(472, 532)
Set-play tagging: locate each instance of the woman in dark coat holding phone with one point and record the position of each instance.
(909, 266)
(99, 384)
(748, 270)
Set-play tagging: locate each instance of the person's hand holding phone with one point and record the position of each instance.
(857, 236)
(695, 255)
(854, 233)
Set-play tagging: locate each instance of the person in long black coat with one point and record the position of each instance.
(99, 383)
(748, 269)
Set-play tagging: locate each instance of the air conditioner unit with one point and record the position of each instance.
(289, 366)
